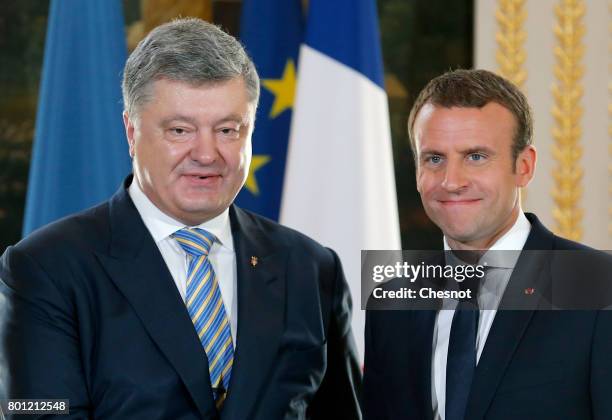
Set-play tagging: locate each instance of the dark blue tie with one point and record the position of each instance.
(461, 359)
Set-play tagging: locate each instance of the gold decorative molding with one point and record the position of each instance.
(510, 38)
(510, 55)
(155, 12)
(610, 113)
(567, 112)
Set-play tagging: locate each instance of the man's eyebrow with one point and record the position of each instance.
(467, 151)
(233, 118)
(478, 149)
(431, 152)
(237, 118)
(178, 117)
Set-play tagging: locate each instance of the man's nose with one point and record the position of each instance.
(204, 148)
(455, 178)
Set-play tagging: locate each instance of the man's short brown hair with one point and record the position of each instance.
(475, 89)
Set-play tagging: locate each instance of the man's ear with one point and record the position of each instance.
(129, 132)
(525, 166)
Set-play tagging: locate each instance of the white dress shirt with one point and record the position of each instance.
(222, 255)
(489, 296)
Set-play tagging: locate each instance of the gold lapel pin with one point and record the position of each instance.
(254, 260)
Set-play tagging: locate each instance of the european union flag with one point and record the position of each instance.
(80, 153)
(271, 31)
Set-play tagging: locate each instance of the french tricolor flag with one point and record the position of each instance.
(339, 182)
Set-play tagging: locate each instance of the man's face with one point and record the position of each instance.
(465, 172)
(191, 146)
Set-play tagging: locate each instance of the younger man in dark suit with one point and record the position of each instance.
(471, 135)
(167, 301)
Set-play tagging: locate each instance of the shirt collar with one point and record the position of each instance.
(161, 225)
(513, 240)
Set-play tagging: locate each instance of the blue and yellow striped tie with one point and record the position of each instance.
(206, 309)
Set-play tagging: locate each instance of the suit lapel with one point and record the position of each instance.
(504, 337)
(509, 325)
(138, 270)
(261, 308)
(419, 355)
(424, 355)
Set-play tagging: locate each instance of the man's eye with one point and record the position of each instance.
(229, 133)
(476, 157)
(180, 134)
(434, 159)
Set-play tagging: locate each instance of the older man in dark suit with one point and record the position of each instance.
(168, 301)
(471, 134)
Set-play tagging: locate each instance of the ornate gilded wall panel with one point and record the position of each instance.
(510, 37)
(567, 112)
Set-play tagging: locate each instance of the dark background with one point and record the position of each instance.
(420, 40)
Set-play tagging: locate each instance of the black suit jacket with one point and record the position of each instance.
(535, 364)
(90, 312)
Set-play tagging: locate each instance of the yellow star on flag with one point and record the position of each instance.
(256, 162)
(283, 89)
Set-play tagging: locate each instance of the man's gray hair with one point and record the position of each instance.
(188, 50)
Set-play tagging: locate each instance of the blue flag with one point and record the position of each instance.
(271, 31)
(80, 154)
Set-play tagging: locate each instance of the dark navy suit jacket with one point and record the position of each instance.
(535, 364)
(89, 312)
